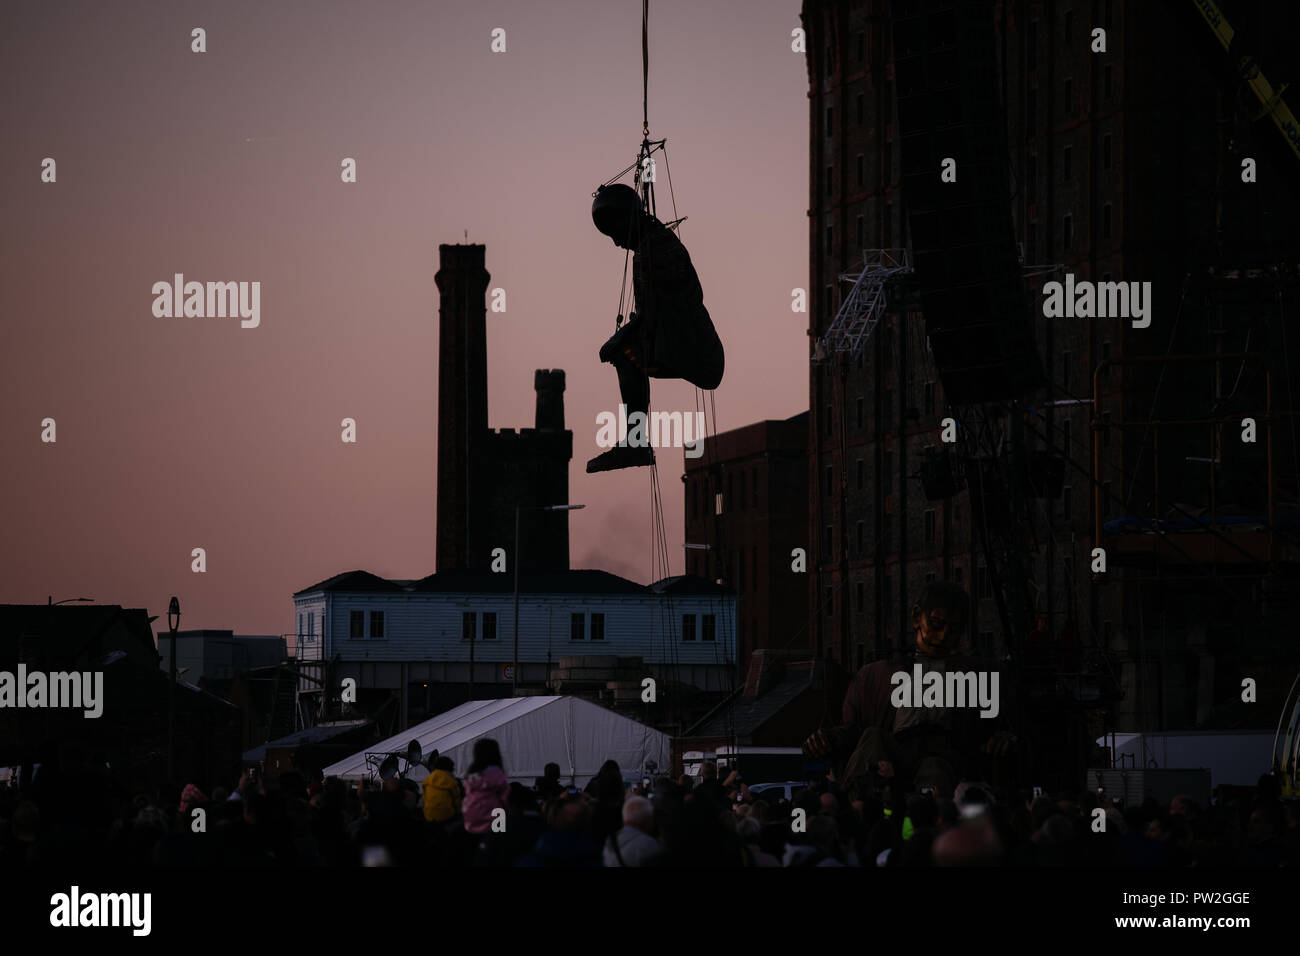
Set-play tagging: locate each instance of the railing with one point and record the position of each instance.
(305, 647)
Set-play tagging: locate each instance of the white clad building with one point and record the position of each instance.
(419, 636)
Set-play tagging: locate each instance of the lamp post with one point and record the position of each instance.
(173, 622)
(514, 674)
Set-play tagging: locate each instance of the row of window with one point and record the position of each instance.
(582, 626)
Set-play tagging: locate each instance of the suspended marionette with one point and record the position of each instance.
(670, 335)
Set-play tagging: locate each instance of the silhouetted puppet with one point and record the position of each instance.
(671, 334)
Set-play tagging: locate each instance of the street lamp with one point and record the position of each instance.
(514, 674)
(173, 622)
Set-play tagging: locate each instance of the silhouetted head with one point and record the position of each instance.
(617, 213)
(486, 754)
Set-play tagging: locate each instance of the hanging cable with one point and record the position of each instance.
(645, 68)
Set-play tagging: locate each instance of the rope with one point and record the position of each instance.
(645, 68)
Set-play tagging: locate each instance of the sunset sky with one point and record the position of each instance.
(176, 433)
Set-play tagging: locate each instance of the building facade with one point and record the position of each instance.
(1126, 165)
(746, 515)
(398, 637)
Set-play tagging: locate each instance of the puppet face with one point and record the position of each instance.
(938, 630)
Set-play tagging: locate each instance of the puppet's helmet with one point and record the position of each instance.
(615, 210)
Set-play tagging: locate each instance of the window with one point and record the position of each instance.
(731, 489)
(709, 630)
(862, 109)
(740, 499)
(862, 602)
(830, 180)
(1031, 241)
(860, 409)
(1105, 357)
(861, 528)
(829, 244)
(753, 485)
(862, 47)
(929, 526)
(862, 170)
(300, 631)
(322, 625)
(1105, 81)
(1031, 178)
(861, 233)
(830, 68)
(1069, 24)
(928, 391)
(1105, 221)
(830, 112)
(717, 503)
(577, 627)
(830, 297)
(695, 499)
(888, 409)
(489, 625)
(830, 481)
(688, 627)
(889, 223)
(740, 569)
(597, 627)
(1105, 151)
(929, 577)
(468, 624)
(861, 473)
(887, 479)
(827, 543)
(1067, 231)
(357, 624)
(1067, 166)
(753, 567)
(376, 625)
(861, 653)
(1031, 111)
(956, 574)
(1067, 502)
(1066, 361)
(830, 608)
(983, 585)
(1066, 435)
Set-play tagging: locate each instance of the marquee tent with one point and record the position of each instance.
(532, 732)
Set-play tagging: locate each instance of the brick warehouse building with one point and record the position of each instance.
(744, 504)
(484, 474)
(1123, 166)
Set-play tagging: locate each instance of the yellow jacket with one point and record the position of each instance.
(441, 797)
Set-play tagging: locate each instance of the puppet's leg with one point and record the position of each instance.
(634, 392)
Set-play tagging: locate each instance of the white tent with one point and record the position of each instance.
(532, 732)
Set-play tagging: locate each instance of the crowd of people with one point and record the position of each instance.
(487, 819)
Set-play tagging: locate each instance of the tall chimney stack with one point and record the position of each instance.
(462, 406)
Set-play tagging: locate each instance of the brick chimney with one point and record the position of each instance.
(462, 280)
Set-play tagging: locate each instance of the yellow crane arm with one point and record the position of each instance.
(1271, 99)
